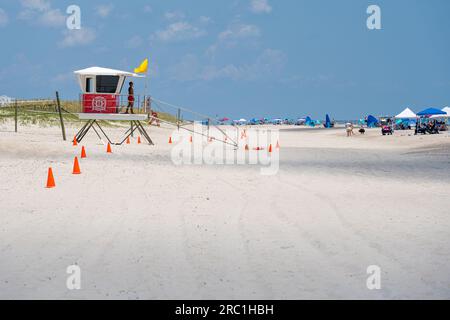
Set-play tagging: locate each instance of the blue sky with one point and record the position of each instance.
(239, 58)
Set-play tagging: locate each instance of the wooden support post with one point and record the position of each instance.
(15, 116)
(131, 123)
(178, 119)
(60, 116)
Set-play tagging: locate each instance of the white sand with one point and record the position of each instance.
(142, 228)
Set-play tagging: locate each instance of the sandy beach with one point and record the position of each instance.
(141, 227)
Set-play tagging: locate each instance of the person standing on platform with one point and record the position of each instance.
(130, 98)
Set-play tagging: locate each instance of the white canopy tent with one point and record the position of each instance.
(406, 114)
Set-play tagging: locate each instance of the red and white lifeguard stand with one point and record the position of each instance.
(101, 99)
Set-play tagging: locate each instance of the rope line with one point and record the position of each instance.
(159, 107)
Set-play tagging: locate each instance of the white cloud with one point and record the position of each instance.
(82, 36)
(179, 31)
(205, 20)
(104, 10)
(41, 12)
(3, 18)
(39, 5)
(260, 6)
(240, 31)
(266, 66)
(134, 42)
(174, 15)
(233, 35)
(52, 18)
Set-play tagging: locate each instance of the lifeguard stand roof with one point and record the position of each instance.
(94, 71)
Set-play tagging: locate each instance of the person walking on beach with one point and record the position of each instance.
(130, 98)
(349, 129)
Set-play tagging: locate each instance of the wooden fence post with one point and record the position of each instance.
(60, 116)
(15, 116)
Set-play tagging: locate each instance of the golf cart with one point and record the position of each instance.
(386, 126)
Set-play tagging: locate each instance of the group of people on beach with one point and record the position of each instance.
(349, 129)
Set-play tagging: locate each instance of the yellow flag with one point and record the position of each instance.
(142, 68)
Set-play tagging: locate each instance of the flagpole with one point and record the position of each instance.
(146, 85)
(145, 90)
(139, 70)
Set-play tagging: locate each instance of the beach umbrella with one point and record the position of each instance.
(446, 115)
(431, 112)
(308, 120)
(224, 119)
(371, 121)
(327, 121)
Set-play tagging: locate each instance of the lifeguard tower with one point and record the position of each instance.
(101, 99)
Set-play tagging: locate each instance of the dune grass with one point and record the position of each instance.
(44, 113)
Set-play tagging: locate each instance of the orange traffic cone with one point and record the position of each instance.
(270, 148)
(76, 166)
(108, 148)
(50, 179)
(75, 142)
(278, 145)
(170, 140)
(246, 147)
(128, 140)
(139, 139)
(190, 139)
(83, 152)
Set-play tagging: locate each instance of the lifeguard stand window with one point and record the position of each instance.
(107, 84)
(88, 85)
